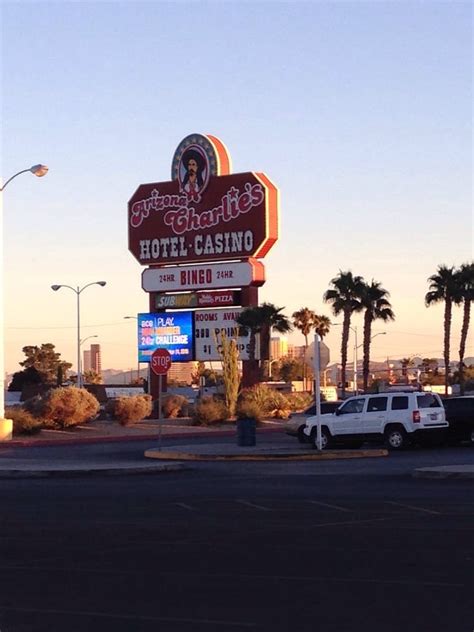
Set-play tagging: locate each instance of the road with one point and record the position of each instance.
(334, 546)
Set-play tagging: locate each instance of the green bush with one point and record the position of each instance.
(129, 410)
(64, 407)
(174, 406)
(23, 422)
(208, 411)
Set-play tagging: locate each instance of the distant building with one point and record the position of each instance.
(182, 372)
(92, 360)
(278, 348)
(296, 352)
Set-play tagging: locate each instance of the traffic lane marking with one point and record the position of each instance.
(317, 502)
(413, 507)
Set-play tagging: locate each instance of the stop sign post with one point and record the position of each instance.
(160, 363)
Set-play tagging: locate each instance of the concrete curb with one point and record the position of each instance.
(445, 471)
(90, 471)
(276, 456)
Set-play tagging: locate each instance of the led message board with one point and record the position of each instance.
(173, 331)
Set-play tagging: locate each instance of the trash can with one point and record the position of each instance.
(246, 434)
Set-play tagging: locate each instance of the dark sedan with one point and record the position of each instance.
(460, 414)
(294, 426)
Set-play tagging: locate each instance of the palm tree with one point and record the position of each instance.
(406, 364)
(322, 325)
(464, 295)
(261, 319)
(375, 302)
(304, 320)
(443, 287)
(345, 299)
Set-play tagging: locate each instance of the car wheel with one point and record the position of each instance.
(396, 438)
(325, 438)
(302, 438)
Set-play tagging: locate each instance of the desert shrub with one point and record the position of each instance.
(270, 402)
(247, 409)
(64, 407)
(208, 411)
(299, 401)
(174, 406)
(23, 421)
(128, 410)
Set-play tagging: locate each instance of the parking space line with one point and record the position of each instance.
(185, 506)
(253, 505)
(317, 502)
(430, 511)
(129, 617)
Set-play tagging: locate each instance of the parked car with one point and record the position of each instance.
(395, 418)
(295, 425)
(460, 415)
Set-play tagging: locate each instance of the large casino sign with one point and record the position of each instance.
(204, 213)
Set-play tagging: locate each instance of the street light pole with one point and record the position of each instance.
(138, 361)
(78, 290)
(39, 171)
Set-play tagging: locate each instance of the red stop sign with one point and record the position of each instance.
(160, 361)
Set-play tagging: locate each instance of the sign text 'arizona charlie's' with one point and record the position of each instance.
(205, 213)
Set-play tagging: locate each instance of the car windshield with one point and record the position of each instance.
(428, 400)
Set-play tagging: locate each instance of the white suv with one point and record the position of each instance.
(395, 418)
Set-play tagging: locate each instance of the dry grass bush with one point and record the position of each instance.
(271, 403)
(174, 406)
(299, 401)
(208, 411)
(23, 422)
(247, 409)
(64, 407)
(129, 410)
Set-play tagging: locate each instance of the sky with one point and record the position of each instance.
(360, 112)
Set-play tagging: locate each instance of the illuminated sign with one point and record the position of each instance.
(221, 298)
(166, 330)
(208, 327)
(212, 276)
(204, 213)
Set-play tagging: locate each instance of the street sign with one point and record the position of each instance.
(211, 276)
(324, 355)
(160, 361)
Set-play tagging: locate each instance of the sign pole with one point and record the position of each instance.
(317, 389)
(159, 412)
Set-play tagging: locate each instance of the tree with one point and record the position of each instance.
(229, 353)
(443, 287)
(344, 298)
(92, 377)
(406, 364)
(374, 300)
(304, 320)
(464, 296)
(262, 319)
(46, 361)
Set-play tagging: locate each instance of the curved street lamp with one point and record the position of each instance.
(39, 171)
(78, 290)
